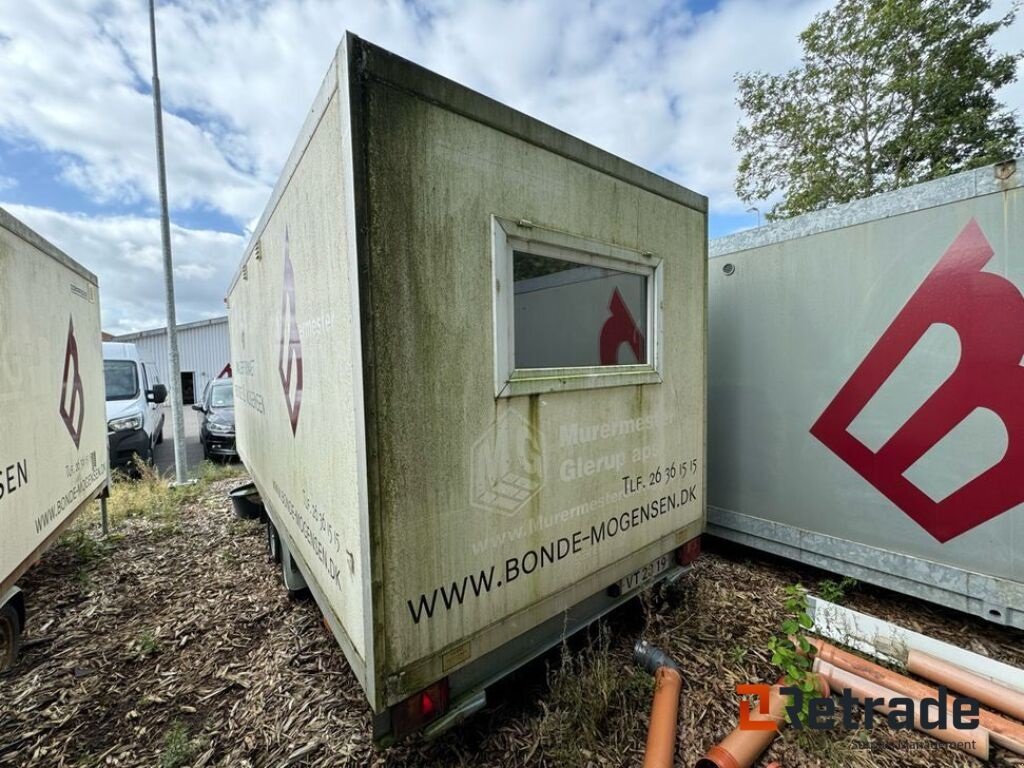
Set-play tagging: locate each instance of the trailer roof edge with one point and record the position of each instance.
(20, 229)
(386, 67)
(328, 87)
(989, 179)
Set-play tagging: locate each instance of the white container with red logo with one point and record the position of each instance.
(866, 390)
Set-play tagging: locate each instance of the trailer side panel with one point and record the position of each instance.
(53, 431)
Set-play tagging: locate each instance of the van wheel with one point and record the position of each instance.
(160, 434)
(10, 636)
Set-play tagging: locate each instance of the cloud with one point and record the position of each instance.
(650, 80)
(126, 254)
(7, 182)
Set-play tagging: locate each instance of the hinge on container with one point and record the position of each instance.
(258, 250)
(245, 271)
(525, 223)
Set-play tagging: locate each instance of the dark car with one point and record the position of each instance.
(217, 433)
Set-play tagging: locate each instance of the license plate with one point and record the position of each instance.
(645, 575)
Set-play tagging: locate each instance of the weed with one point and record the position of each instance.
(835, 592)
(589, 692)
(83, 547)
(211, 473)
(739, 654)
(834, 749)
(790, 649)
(147, 644)
(179, 749)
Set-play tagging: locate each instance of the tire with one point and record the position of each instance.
(206, 453)
(160, 434)
(10, 636)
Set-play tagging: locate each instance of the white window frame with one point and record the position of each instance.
(508, 236)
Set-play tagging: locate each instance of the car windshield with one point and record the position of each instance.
(222, 396)
(122, 379)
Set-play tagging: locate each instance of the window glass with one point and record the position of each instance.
(222, 396)
(570, 315)
(122, 379)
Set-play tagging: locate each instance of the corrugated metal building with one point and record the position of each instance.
(203, 349)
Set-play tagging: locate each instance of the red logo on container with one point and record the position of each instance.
(987, 313)
(72, 412)
(618, 329)
(290, 362)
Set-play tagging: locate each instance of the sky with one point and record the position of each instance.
(649, 80)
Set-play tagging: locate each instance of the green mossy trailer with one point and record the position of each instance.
(469, 363)
(53, 426)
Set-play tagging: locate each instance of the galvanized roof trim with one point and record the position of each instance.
(33, 238)
(990, 179)
(181, 327)
(385, 67)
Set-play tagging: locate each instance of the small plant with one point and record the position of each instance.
(835, 592)
(739, 654)
(178, 749)
(210, 472)
(147, 644)
(791, 650)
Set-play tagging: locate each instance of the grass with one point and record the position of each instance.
(151, 495)
(148, 496)
(835, 591)
(591, 693)
(147, 644)
(179, 748)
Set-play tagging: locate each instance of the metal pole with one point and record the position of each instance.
(177, 414)
(103, 515)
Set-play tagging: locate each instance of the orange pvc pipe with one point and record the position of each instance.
(661, 732)
(999, 697)
(741, 748)
(838, 679)
(1002, 731)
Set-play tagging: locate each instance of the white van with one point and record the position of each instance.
(135, 421)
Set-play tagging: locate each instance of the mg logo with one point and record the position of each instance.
(290, 360)
(505, 466)
(987, 313)
(72, 412)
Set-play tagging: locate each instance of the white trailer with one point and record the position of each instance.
(53, 428)
(468, 356)
(867, 395)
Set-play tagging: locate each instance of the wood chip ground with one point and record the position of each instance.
(175, 645)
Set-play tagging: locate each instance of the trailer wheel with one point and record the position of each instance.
(273, 543)
(10, 635)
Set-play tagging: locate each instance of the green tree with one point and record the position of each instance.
(889, 93)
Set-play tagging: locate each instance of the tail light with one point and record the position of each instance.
(689, 552)
(420, 709)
